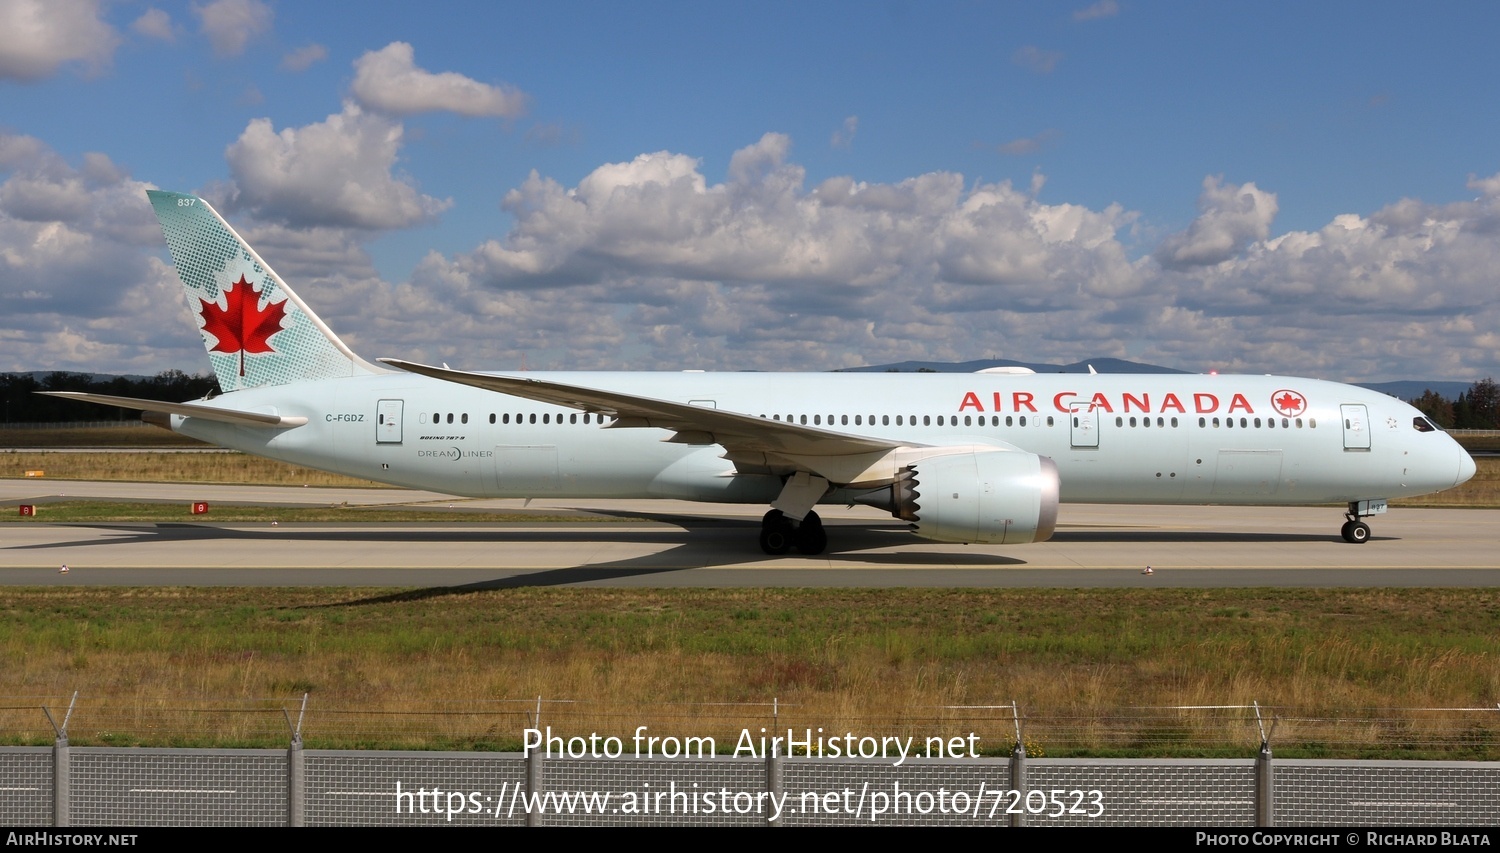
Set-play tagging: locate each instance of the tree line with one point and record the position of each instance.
(1477, 408)
(23, 405)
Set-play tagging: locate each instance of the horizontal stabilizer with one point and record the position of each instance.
(187, 410)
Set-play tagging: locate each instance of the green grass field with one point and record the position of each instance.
(387, 667)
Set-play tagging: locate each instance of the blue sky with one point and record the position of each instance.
(1268, 187)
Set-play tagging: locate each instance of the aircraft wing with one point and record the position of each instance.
(733, 430)
(187, 410)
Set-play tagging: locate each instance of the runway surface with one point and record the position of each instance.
(681, 544)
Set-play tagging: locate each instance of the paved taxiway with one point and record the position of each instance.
(686, 544)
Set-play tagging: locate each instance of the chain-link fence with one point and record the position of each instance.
(1228, 730)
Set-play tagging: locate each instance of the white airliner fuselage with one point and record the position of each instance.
(1151, 439)
(983, 457)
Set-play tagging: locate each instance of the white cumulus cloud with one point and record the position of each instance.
(1101, 9)
(844, 136)
(760, 271)
(39, 36)
(154, 23)
(79, 279)
(650, 262)
(231, 24)
(1231, 216)
(304, 57)
(1033, 58)
(658, 215)
(337, 173)
(389, 80)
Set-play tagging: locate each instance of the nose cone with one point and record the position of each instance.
(1465, 466)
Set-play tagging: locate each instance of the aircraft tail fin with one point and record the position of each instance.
(256, 330)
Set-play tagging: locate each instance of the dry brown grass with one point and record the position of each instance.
(1099, 671)
(1483, 490)
(129, 434)
(146, 467)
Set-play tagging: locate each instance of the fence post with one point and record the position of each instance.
(773, 767)
(1265, 793)
(535, 777)
(62, 806)
(1018, 770)
(60, 779)
(296, 785)
(296, 771)
(1264, 790)
(1018, 781)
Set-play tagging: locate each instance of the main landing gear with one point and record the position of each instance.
(779, 534)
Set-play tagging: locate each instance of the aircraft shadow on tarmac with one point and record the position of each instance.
(692, 543)
(848, 538)
(1206, 536)
(699, 543)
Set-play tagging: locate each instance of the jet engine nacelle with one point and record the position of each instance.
(992, 497)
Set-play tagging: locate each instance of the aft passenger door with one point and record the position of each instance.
(388, 421)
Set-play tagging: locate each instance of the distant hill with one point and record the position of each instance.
(40, 375)
(1409, 389)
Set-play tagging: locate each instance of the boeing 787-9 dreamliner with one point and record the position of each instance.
(981, 457)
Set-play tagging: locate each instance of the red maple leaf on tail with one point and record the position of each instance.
(243, 326)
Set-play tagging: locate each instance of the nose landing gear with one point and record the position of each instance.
(1356, 531)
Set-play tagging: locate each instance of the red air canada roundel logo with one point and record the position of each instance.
(1289, 403)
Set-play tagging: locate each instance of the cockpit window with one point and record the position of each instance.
(1422, 424)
